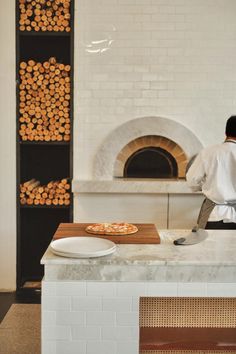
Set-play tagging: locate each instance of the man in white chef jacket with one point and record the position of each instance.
(214, 173)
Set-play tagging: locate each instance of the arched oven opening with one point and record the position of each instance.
(151, 156)
(151, 162)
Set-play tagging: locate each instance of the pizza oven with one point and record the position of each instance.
(148, 147)
(138, 175)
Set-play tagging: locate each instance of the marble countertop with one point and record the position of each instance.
(214, 259)
(131, 185)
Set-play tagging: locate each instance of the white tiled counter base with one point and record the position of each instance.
(103, 317)
(91, 306)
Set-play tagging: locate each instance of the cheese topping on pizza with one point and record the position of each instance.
(112, 228)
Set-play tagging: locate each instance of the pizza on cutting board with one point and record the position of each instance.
(114, 228)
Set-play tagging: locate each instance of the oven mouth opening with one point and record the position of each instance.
(151, 157)
(151, 162)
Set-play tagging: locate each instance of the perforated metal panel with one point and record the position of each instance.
(187, 312)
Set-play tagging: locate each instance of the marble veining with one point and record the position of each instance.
(212, 260)
(122, 185)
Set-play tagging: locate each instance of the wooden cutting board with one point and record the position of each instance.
(147, 233)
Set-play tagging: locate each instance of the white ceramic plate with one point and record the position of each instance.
(84, 255)
(82, 247)
(71, 255)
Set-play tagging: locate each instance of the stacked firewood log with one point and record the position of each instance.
(44, 101)
(54, 193)
(43, 15)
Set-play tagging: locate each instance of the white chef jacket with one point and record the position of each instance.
(214, 173)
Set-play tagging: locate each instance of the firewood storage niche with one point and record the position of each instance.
(44, 73)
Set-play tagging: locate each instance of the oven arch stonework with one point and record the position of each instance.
(106, 162)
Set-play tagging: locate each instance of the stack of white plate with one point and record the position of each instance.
(82, 247)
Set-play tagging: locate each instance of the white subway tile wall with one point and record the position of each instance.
(104, 323)
(76, 346)
(135, 58)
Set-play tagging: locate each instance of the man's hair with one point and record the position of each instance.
(230, 129)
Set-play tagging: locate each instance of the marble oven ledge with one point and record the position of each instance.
(131, 185)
